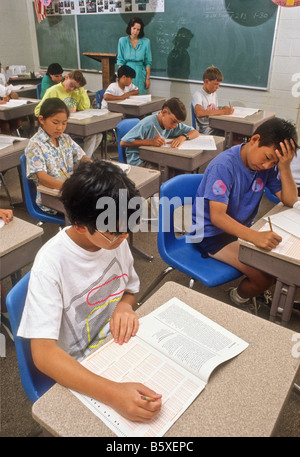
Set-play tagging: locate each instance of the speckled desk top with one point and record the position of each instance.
(17, 233)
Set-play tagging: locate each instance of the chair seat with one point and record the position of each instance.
(186, 258)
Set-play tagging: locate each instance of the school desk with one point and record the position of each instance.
(20, 241)
(92, 125)
(27, 92)
(285, 269)
(242, 126)
(139, 111)
(180, 159)
(17, 112)
(243, 397)
(15, 80)
(10, 158)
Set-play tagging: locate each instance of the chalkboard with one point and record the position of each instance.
(235, 35)
(56, 37)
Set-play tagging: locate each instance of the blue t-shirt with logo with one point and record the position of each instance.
(227, 180)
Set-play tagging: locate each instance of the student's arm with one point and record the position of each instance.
(289, 193)
(200, 112)
(219, 217)
(156, 141)
(125, 398)
(182, 138)
(110, 97)
(48, 181)
(83, 100)
(6, 215)
(124, 322)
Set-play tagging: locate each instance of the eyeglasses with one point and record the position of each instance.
(72, 84)
(115, 235)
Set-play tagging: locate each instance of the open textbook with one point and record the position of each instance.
(136, 100)
(241, 112)
(87, 113)
(174, 353)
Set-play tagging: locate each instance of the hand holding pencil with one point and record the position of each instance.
(158, 140)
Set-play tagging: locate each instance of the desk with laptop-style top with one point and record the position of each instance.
(240, 125)
(20, 241)
(284, 267)
(13, 110)
(185, 160)
(238, 401)
(136, 109)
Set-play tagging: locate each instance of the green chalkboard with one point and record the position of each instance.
(235, 35)
(56, 38)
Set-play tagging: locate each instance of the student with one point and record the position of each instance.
(155, 129)
(232, 188)
(122, 88)
(295, 167)
(205, 101)
(82, 286)
(52, 77)
(51, 154)
(7, 93)
(71, 91)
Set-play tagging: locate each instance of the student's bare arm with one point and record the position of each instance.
(289, 193)
(48, 181)
(126, 398)
(156, 141)
(110, 97)
(266, 240)
(200, 112)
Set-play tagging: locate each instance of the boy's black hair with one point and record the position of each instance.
(127, 71)
(91, 181)
(135, 20)
(54, 69)
(176, 107)
(53, 106)
(275, 131)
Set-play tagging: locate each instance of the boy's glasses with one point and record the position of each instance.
(115, 235)
(73, 85)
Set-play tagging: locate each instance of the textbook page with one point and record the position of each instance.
(88, 113)
(290, 244)
(288, 220)
(205, 142)
(13, 103)
(136, 100)
(189, 338)
(136, 361)
(6, 141)
(240, 111)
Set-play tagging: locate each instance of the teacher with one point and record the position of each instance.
(134, 51)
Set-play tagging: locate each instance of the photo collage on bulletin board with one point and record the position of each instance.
(58, 7)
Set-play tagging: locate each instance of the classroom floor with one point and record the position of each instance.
(15, 408)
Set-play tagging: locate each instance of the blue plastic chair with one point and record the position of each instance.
(34, 383)
(122, 128)
(175, 250)
(30, 197)
(271, 196)
(99, 97)
(194, 124)
(38, 90)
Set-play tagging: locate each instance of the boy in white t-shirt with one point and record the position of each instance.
(122, 88)
(205, 101)
(82, 286)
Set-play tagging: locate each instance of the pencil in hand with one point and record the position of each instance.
(270, 224)
(144, 397)
(64, 173)
(157, 131)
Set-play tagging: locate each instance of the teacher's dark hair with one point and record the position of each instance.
(135, 20)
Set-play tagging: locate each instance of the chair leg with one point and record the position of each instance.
(159, 278)
(6, 190)
(191, 283)
(296, 389)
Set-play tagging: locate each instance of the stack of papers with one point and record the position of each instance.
(88, 113)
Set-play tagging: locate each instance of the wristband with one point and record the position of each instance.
(186, 136)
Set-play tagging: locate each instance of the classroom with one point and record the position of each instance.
(261, 386)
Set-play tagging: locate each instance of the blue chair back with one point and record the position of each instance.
(176, 251)
(99, 97)
(30, 199)
(271, 196)
(194, 124)
(33, 381)
(122, 128)
(38, 90)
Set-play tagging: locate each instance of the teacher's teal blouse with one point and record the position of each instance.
(138, 59)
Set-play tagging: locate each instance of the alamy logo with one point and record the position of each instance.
(296, 86)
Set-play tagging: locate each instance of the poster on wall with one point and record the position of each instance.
(58, 7)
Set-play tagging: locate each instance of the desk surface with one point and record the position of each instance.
(92, 125)
(16, 234)
(15, 112)
(243, 397)
(10, 156)
(155, 104)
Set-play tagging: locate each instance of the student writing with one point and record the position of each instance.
(122, 88)
(232, 188)
(154, 130)
(81, 287)
(51, 154)
(205, 101)
(71, 91)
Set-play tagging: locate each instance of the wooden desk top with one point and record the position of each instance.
(155, 104)
(16, 234)
(243, 397)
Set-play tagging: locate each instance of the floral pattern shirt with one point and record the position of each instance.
(43, 155)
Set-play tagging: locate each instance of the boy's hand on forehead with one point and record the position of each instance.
(287, 153)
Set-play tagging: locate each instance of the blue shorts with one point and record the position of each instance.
(213, 244)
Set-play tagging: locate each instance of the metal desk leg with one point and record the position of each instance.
(283, 301)
(228, 139)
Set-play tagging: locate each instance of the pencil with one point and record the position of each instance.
(64, 173)
(148, 398)
(271, 228)
(157, 130)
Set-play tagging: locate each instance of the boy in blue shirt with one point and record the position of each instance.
(232, 188)
(155, 129)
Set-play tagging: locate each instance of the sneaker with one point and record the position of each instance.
(6, 324)
(235, 298)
